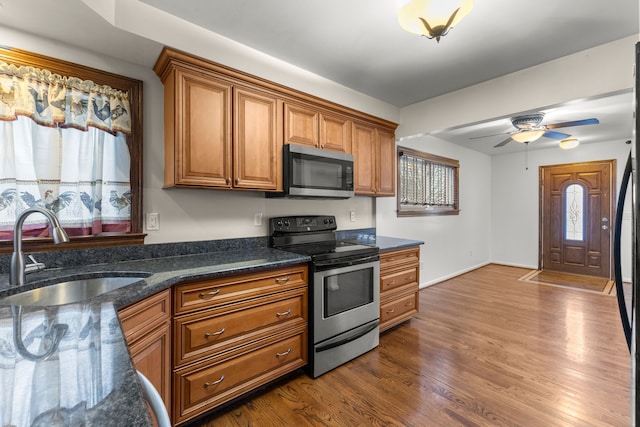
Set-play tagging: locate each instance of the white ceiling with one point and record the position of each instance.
(359, 44)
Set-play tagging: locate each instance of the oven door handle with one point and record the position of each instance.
(353, 335)
(342, 263)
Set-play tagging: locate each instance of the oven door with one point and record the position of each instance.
(344, 297)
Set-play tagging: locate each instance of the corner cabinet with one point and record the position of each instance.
(399, 286)
(147, 329)
(374, 152)
(224, 129)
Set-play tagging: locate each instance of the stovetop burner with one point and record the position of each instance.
(314, 236)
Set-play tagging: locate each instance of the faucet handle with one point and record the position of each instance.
(34, 266)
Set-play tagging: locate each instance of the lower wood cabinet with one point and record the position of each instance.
(234, 334)
(399, 286)
(227, 336)
(147, 329)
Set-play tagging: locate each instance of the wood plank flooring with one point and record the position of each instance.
(485, 350)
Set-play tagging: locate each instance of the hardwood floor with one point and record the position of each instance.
(485, 350)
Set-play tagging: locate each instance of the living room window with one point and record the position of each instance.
(427, 184)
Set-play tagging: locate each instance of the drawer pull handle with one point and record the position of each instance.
(283, 354)
(214, 383)
(214, 334)
(391, 282)
(286, 313)
(283, 279)
(409, 304)
(391, 311)
(208, 295)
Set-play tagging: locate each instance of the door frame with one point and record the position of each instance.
(612, 201)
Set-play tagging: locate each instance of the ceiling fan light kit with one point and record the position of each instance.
(528, 135)
(568, 144)
(432, 19)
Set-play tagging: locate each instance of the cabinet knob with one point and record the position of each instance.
(228, 181)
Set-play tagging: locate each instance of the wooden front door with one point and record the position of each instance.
(576, 209)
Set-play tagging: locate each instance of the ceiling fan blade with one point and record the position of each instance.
(505, 142)
(487, 136)
(573, 123)
(556, 135)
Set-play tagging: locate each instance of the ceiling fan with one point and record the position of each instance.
(530, 128)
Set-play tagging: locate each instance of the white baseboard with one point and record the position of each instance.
(450, 276)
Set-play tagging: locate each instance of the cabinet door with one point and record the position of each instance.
(385, 168)
(335, 133)
(300, 125)
(152, 356)
(203, 131)
(257, 140)
(364, 153)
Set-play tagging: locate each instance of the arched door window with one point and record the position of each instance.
(574, 212)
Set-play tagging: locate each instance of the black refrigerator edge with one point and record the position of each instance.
(629, 315)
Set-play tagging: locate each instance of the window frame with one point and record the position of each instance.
(134, 142)
(403, 210)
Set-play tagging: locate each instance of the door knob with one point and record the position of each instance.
(605, 219)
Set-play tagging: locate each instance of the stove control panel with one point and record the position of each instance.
(301, 224)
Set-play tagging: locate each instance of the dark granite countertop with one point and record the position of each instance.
(98, 356)
(105, 364)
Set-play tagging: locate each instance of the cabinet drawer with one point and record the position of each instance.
(203, 333)
(393, 259)
(142, 317)
(398, 310)
(206, 386)
(396, 279)
(212, 293)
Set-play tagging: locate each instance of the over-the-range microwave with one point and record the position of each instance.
(309, 172)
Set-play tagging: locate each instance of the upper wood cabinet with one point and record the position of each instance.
(307, 126)
(257, 140)
(225, 129)
(374, 153)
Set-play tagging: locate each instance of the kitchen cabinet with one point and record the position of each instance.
(219, 134)
(399, 286)
(306, 125)
(236, 333)
(374, 157)
(147, 329)
(224, 129)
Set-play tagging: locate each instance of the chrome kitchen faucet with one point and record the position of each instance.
(17, 277)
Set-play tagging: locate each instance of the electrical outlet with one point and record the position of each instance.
(352, 216)
(257, 218)
(153, 221)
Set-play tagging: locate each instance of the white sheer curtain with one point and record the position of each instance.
(63, 147)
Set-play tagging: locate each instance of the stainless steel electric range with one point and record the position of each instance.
(344, 289)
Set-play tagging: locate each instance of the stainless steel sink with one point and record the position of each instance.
(69, 291)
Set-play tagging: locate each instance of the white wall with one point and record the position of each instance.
(503, 227)
(453, 243)
(190, 215)
(515, 201)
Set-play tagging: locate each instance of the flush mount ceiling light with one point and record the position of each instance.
(527, 135)
(432, 18)
(568, 144)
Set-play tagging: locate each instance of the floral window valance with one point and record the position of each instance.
(57, 101)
